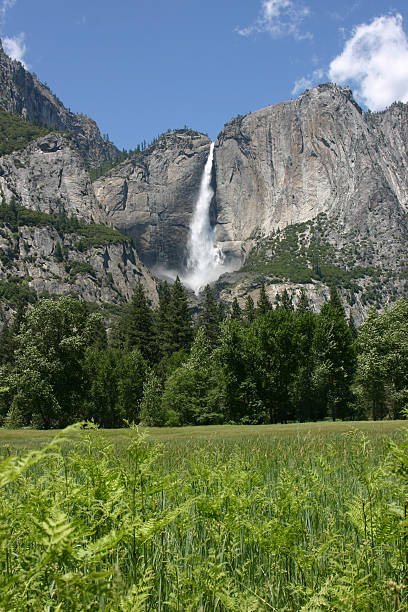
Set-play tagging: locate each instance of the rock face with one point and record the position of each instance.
(152, 195)
(287, 163)
(315, 188)
(23, 94)
(105, 274)
(50, 176)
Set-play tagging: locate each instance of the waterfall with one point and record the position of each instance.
(205, 262)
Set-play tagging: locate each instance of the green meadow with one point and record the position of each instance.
(31, 438)
(298, 517)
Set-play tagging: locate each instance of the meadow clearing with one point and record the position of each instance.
(299, 517)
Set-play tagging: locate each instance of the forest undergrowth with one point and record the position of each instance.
(313, 522)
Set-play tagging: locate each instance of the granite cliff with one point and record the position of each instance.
(151, 195)
(320, 153)
(54, 237)
(321, 181)
(49, 175)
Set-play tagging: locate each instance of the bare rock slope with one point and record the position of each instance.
(151, 195)
(288, 163)
(54, 235)
(315, 191)
(49, 176)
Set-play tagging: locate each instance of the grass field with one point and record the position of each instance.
(32, 438)
(299, 517)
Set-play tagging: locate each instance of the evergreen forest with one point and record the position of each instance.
(61, 362)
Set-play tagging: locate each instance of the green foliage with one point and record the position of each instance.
(91, 234)
(100, 371)
(114, 385)
(301, 254)
(131, 374)
(179, 318)
(382, 370)
(286, 366)
(303, 304)
(163, 322)
(264, 304)
(45, 379)
(335, 301)
(135, 329)
(58, 254)
(94, 236)
(190, 393)
(151, 413)
(334, 357)
(286, 300)
(15, 290)
(103, 170)
(249, 313)
(209, 317)
(236, 312)
(281, 366)
(308, 522)
(16, 133)
(14, 418)
(79, 267)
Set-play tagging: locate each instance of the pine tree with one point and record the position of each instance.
(221, 311)
(164, 334)
(352, 326)
(249, 310)
(9, 332)
(179, 318)
(335, 300)
(236, 312)
(136, 326)
(303, 304)
(208, 318)
(264, 304)
(99, 339)
(151, 412)
(286, 300)
(6, 344)
(19, 316)
(334, 359)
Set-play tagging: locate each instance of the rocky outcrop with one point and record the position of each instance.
(320, 153)
(103, 274)
(23, 94)
(152, 194)
(50, 176)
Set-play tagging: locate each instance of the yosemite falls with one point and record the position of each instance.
(205, 261)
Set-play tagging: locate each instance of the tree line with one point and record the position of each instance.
(264, 363)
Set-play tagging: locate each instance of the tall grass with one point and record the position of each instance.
(305, 522)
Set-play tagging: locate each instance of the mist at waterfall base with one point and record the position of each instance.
(205, 261)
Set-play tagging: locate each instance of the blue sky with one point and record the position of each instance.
(139, 67)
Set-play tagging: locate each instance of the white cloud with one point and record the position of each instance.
(15, 47)
(280, 18)
(4, 7)
(308, 81)
(375, 61)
